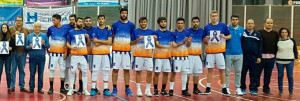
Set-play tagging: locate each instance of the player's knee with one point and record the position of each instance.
(196, 74)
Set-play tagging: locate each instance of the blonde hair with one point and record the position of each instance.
(213, 11)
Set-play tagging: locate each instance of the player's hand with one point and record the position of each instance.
(185, 40)
(108, 27)
(65, 56)
(297, 60)
(86, 35)
(155, 37)
(222, 36)
(258, 60)
(30, 46)
(190, 39)
(141, 37)
(73, 47)
(10, 48)
(95, 39)
(43, 42)
(17, 32)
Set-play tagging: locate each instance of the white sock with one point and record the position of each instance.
(184, 80)
(208, 85)
(138, 86)
(172, 85)
(105, 85)
(223, 85)
(148, 86)
(72, 78)
(94, 85)
(84, 80)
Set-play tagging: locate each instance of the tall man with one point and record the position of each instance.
(37, 56)
(19, 54)
(195, 52)
(101, 55)
(142, 57)
(234, 54)
(269, 49)
(122, 31)
(58, 51)
(162, 55)
(216, 35)
(78, 47)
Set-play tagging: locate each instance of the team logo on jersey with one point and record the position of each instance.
(156, 68)
(136, 66)
(94, 66)
(51, 65)
(176, 67)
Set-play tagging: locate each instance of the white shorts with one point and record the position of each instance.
(121, 60)
(90, 61)
(212, 59)
(143, 63)
(195, 64)
(163, 65)
(79, 61)
(57, 59)
(101, 62)
(180, 64)
(68, 61)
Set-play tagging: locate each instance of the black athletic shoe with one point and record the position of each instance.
(224, 92)
(62, 90)
(156, 92)
(171, 92)
(50, 91)
(197, 91)
(164, 93)
(207, 91)
(185, 93)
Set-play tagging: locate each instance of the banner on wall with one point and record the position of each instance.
(11, 2)
(98, 2)
(47, 2)
(44, 16)
(9, 14)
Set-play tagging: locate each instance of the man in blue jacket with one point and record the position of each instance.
(37, 56)
(252, 49)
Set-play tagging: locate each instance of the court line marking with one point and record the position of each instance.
(112, 95)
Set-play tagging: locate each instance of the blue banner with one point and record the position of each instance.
(98, 2)
(9, 14)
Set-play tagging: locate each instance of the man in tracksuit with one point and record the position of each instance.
(252, 51)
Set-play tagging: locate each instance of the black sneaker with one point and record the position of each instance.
(79, 91)
(268, 93)
(170, 92)
(280, 93)
(30, 91)
(197, 91)
(156, 92)
(290, 93)
(23, 90)
(41, 91)
(207, 91)
(67, 87)
(185, 93)
(50, 91)
(97, 92)
(224, 92)
(164, 92)
(8, 91)
(12, 89)
(63, 90)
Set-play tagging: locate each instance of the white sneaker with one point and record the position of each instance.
(148, 92)
(228, 90)
(139, 93)
(239, 92)
(70, 92)
(86, 92)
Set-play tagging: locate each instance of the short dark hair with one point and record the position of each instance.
(143, 18)
(56, 16)
(234, 16)
(281, 29)
(78, 18)
(72, 15)
(101, 16)
(161, 19)
(123, 9)
(180, 19)
(19, 17)
(87, 18)
(196, 18)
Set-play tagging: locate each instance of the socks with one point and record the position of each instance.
(171, 85)
(115, 86)
(138, 85)
(195, 86)
(80, 84)
(94, 85)
(155, 86)
(51, 84)
(224, 86)
(184, 80)
(105, 85)
(163, 86)
(62, 84)
(126, 86)
(84, 81)
(187, 86)
(148, 86)
(208, 85)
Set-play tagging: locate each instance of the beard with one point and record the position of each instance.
(79, 26)
(125, 18)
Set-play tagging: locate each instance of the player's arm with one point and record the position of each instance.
(98, 42)
(88, 41)
(159, 45)
(183, 42)
(134, 42)
(189, 41)
(226, 37)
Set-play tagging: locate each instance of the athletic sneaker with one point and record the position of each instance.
(50, 91)
(148, 93)
(70, 92)
(115, 91)
(164, 93)
(207, 91)
(156, 92)
(224, 92)
(197, 91)
(228, 90)
(253, 92)
(67, 86)
(185, 93)
(106, 92)
(86, 92)
(243, 91)
(93, 92)
(171, 92)
(128, 92)
(139, 93)
(62, 90)
(238, 91)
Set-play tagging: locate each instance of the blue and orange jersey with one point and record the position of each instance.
(179, 37)
(58, 39)
(89, 32)
(72, 40)
(68, 27)
(122, 33)
(139, 49)
(164, 38)
(196, 44)
(220, 46)
(101, 34)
